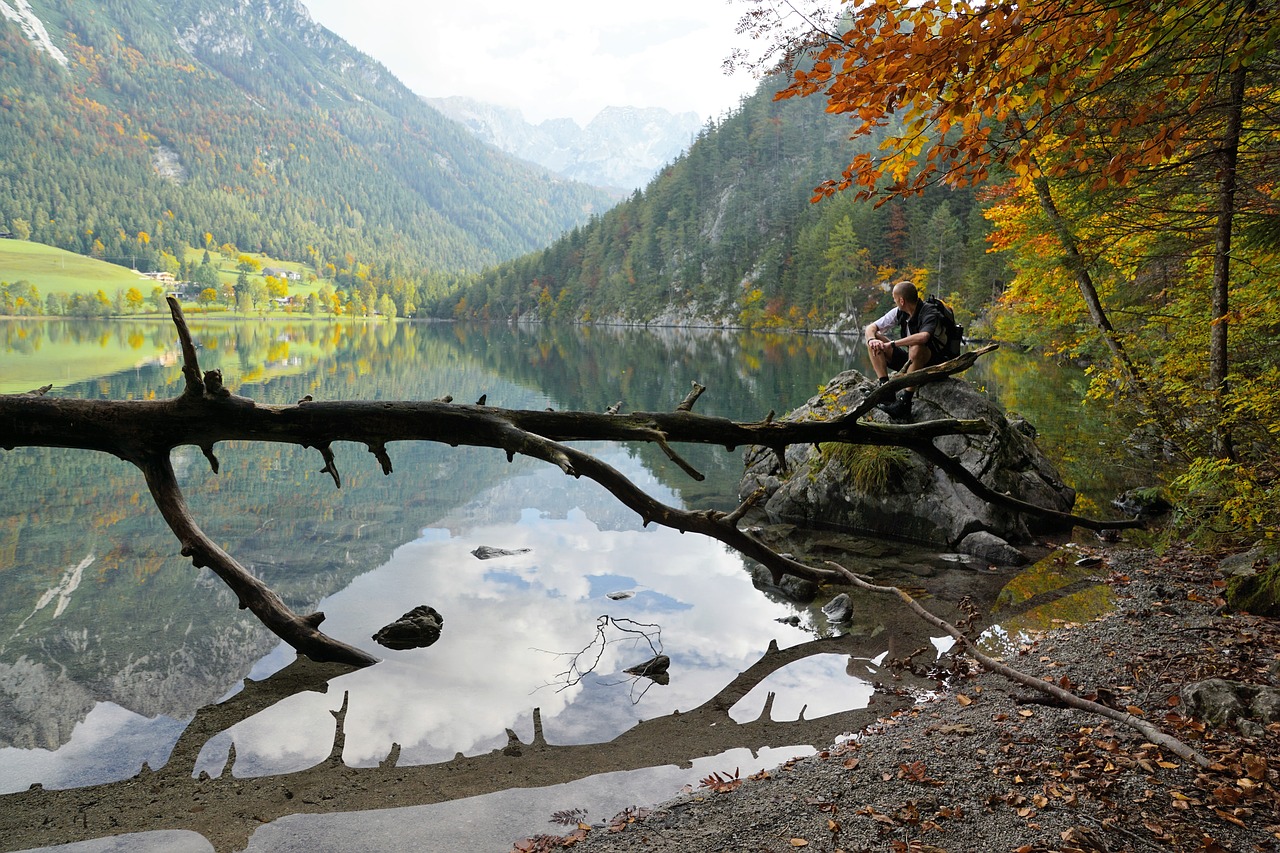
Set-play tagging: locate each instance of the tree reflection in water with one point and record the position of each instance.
(317, 543)
(228, 809)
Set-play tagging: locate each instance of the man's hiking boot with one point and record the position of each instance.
(899, 408)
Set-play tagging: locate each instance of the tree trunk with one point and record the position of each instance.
(1084, 281)
(1218, 331)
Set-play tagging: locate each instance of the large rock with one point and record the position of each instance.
(417, 629)
(914, 500)
(1219, 702)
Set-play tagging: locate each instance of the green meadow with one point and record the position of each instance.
(57, 271)
(228, 271)
(54, 351)
(40, 351)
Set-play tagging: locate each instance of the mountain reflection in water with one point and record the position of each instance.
(107, 679)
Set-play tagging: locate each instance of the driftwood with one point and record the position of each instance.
(144, 432)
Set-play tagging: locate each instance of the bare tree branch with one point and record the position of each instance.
(298, 631)
(216, 807)
(144, 432)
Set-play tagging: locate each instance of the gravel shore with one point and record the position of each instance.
(990, 765)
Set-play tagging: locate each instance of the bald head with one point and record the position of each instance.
(907, 291)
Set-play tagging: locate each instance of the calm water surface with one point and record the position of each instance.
(109, 641)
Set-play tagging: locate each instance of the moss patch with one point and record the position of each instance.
(868, 468)
(1056, 571)
(1258, 594)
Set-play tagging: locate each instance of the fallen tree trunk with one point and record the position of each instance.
(205, 413)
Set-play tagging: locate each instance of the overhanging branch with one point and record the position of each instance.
(298, 631)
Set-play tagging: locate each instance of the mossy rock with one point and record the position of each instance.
(1258, 593)
(896, 493)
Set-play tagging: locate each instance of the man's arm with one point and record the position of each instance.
(921, 337)
(874, 332)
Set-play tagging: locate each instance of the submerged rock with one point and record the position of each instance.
(486, 552)
(654, 668)
(789, 588)
(417, 629)
(839, 609)
(895, 493)
(992, 548)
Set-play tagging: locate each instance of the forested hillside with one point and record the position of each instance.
(1130, 155)
(142, 126)
(727, 233)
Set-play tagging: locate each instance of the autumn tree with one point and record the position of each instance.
(1112, 128)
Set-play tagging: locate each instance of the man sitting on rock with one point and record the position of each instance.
(921, 342)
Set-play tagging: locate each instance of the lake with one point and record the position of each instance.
(110, 642)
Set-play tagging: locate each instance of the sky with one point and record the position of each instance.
(566, 58)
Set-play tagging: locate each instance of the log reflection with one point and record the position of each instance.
(227, 810)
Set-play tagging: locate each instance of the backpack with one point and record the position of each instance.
(952, 331)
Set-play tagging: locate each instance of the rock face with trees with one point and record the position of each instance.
(888, 492)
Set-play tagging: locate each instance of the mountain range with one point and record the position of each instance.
(726, 235)
(132, 127)
(135, 128)
(622, 148)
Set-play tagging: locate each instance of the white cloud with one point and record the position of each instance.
(571, 58)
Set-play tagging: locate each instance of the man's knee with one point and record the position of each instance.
(921, 356)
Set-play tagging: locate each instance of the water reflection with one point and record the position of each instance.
(105, 676)
(509, 624)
